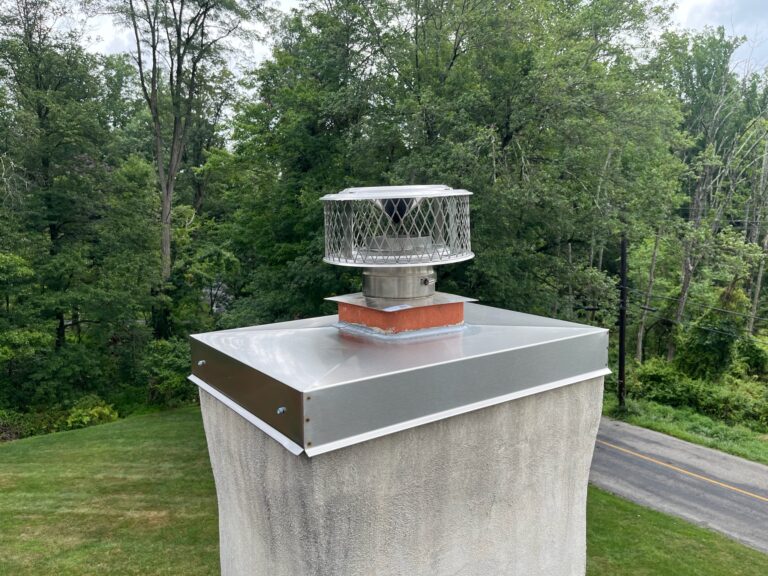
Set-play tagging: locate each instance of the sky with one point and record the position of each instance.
(739, 17)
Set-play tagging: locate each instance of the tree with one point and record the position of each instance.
(76, 243)
(174, 41)
(551, 122)
(719, 123)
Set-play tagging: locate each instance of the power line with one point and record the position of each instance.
(704, 306)
(704, 327)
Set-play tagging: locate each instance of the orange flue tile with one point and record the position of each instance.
(405, 319)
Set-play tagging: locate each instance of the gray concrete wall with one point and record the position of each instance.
(499, 491)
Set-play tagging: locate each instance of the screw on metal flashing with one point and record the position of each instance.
(282, 410)
(201, 362)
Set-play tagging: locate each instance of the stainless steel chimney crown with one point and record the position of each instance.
(397, 234)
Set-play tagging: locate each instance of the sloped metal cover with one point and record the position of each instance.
(315, 389)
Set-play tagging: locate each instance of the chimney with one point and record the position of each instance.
(416, 433)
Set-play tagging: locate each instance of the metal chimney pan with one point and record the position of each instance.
(314, 389)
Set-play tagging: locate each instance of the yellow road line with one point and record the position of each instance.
(683, 471)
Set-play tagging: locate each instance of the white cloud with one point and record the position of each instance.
(739, 18)
(106, 37)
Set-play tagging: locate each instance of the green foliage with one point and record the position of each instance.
(78, 254)
(659, 381)
(730, 399)
(83, 417)
(750, 358)
(706, 348)
(165, 366)
(89, 410)
(13, 426)
(562, 136)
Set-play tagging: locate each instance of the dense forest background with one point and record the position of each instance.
(151, 195)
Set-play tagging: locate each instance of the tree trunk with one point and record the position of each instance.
(761, 268)
(688, 268)
(756, 293)
(61, 333)
(647, 300)
(76, 324)
(165, 217)
(197, 202)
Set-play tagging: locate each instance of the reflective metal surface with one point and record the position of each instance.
(342, 389)
(399, 283)
(394, 192)
(394, 304)
(397, 226)
(253, 390)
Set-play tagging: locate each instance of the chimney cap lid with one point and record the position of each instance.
(392, 192)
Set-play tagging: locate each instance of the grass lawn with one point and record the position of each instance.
(687, 424)
(137, 497)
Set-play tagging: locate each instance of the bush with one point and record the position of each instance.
(165, 368)
(730, 399)
(750, 358)
(703, 353)
(88, 411)
(727, 401)
(13, 425)
(659, 381)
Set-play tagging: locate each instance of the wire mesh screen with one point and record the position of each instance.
(397, 231)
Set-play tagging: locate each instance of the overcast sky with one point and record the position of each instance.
(739, 17)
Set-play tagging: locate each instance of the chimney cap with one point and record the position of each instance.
(397, 226)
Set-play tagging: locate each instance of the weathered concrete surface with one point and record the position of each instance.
(497, 492)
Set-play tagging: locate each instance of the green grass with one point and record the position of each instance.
(137, 497)
(132, 497)
(624, 539)
(687, 424)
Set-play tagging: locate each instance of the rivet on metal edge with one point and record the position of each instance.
(201, 362)
(282, 410)
(306, 420)
(309, 444)
(309, 397)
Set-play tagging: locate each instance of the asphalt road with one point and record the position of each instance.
(707, 487)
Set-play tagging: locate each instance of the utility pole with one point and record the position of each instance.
(622, 388)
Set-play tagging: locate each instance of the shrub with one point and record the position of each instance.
(750, 358)
(728, 403)
(729, 399)
(89, 411)
(704, 353)
(661, 382)
(165, 368)
(13, 425)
